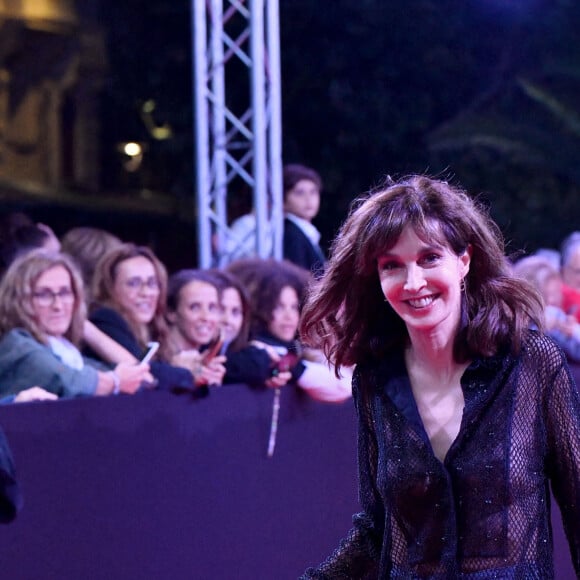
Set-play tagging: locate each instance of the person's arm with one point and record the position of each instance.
(254, 365)
(115, 326)
(321, 383)
(358, 554)
(562, 419)
(24, 362)
(125, 378)
(105, 347)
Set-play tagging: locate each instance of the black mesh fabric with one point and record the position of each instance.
(485, 511)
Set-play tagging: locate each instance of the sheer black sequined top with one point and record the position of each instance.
(485, 511)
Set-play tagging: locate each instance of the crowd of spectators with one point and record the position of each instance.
(556, 276)
(79, 314)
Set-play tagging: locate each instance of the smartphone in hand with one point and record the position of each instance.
(152, 348)
(287, 362)
(213, 350)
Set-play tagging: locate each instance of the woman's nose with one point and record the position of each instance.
(414, 279)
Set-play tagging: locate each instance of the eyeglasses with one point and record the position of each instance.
(136, 284)
(47, 297)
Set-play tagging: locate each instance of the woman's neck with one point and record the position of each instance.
(433, 351)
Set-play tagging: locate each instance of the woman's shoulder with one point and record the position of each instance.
(19, 337)
(105, 313)
(541, 350)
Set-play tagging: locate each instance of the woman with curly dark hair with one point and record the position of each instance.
(277, 289)
(465, 415)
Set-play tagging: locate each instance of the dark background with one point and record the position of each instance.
(481, 92)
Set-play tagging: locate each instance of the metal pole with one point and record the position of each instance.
(202, 149)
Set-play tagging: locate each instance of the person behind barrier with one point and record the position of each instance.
(249, 363)
(129, 290)
(466, 417)
(194, 316)
(276, 290)
(87, 246)
(570, 269)
(301, 244)
(42, 316)
(562, 327)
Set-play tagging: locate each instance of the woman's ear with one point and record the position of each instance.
(465, 260)
(171, 317)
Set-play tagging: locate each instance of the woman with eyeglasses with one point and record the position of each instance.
(42, 322)
(129, 290)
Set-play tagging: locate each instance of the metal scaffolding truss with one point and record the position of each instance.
(237, 86)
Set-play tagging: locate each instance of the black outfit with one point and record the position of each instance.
(484, 512)
(253, 366)
(250, 365)
(301, 251)
(10, 498)
(113, 324)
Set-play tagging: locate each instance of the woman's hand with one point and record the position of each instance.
(131, 376)
(212, 372)
(279, 380)
(188, 359)
(34, 394)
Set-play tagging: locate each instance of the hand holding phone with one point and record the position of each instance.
(213, 350)
(286, 363)
(152, 348)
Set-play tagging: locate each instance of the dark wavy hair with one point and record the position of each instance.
(265, 279)
(346, 314)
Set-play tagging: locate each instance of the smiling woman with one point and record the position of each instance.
(130, 288)
(463, 410)
(195, 317)
(42, 320)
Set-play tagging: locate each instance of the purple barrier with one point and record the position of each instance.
(164, 486)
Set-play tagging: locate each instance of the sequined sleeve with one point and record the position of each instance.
(358, 554)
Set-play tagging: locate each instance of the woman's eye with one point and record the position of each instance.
(388, 266)
(430, 258)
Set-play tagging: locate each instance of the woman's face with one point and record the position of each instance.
(198, 314)
(53, 301)
(286, 315)
(232, 314)
(136, 288)
(422, 283)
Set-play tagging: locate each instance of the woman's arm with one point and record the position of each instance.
(321, 383)
(105, 347)
(358, 554)
(125, 378)
(562, 413)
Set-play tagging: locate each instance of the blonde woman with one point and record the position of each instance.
(42, 322)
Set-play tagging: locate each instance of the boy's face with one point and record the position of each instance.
(303, 200)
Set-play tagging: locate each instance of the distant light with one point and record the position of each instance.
(132, 149)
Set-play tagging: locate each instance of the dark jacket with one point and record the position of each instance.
(113, 324)
(484, 511)
(301, 251)
(25, 362)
